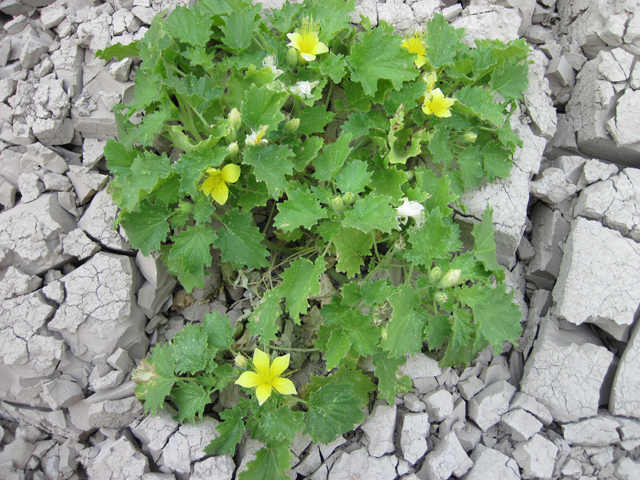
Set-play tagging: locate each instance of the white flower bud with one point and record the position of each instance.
(450, 278)
(410, 209)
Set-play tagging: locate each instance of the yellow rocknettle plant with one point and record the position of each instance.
(323, 177)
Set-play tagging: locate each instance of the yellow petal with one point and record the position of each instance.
(307, 56)
(420, 61)
(263, 392)
(231, 173)
(220, 193)
(211, 182)
(426, 109)
(249, 380)
(320, 48)
(284, 386)
(295, 40)
(279, 365)
(261, 363)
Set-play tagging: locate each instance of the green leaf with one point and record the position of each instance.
(360, 123)
(471, 167)
(191, 400)
(351, 246)
(333, 16)
(192, 249)
(497, 161)
(154, 390)
(119, 51)
(262, 320)
(357, 99)
(362, 334)
(406, 144)
(271, 164)
(218, 330)
(283, 19)
(438, 330)
(442, 41)
(361, 383)
(370, 213)
(479, 102)
(239, 241)
(390, 382)
(434, 239)
(305, 152)
(314, 119)
(473, 295)
(333, 410)
(404, 331)
(485, 245)
(147, 173)
(270, 463)
(119, 157)
(302, 209)
(147, 228)
(508, 137)
(195, 89)
(190, 350)
(280, 423)
(498, 319)
(441, 195)
(376, 293)
(221, 7)
(189, 26)
(262, 106)
(255, 193)
(461, 329)
(336, 348)
(407, 95)
(439, 146)
(334, 66)
(378, 55)
(330, 160)
(510, 78)
(192, 166)
(240, 28)
(152, 125)
(299, 281)
(387, 181)
(230, 431)
(354, 177)
(148, 89)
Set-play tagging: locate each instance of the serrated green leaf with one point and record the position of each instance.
(262, 320)
(230, 431)
(438, 329)
(361, 383)
(498, 319)
(370, 213)
(356, 98)
(508, 137)
(283, 19)
(147, 228)
(336, 348)
(199, 56)
(255, 194)
(152, 125)
(147, 90)
(471, 167)
(218, 330)
(485, 245)
(240, 82)
(221, 7)
(407, 95)
(376, 293)
(378, 55)
(314, 119)
(189, 26)
(434, 239)
(406, 144)
(119, 157)
(119, 51)
(362, 334)
(334, 66)
(299, 281)
(195, 89)
(387, 181)
(390, 382)
(510, 78)
(360, 123)
(271, 164)
(158, 387)
(270, 464)
(479, 102)
(461, 329)
(302, 209)
(404, 331)
(330, 160)
(354, 177)
(191, 399)
(333, 410)
(147, 173)
(239, 241)
(497, 161)
(442, 41)
(262, 106)
(190, 350)
(439, 146)
(239, 29)
(332, 15)
(441, 195)
(351, 246)
(191, 249)
(279, 423)
(305, 152)
(191, 167)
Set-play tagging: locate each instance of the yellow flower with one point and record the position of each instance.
(414, 44)
(216, 183)
(267, 376)
(436, 104)
(306, 41)
(431, 79)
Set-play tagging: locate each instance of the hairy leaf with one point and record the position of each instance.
(299, 281)
(239, 241)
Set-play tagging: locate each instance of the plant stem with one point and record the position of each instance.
(407, 279)
(326, 105)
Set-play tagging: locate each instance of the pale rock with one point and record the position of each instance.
(614, 29)
(187, 444)
(571, 468)
(59, 394)
(400, 15)
(366, 8)
(7, 88)
(120, 70)
(95, 33)
(92, 151)
(144, 14)
(413, 436)
(452, 12)
(54, 291)
(158, 476)
(52, 15)
(51, 99)
(413, 403)
(469, 387)
(379, 428)
(358, 465)
(448, 458)
(489, 463)
(310, 463)
(594, 171)
(68, 201)
(100, 313)
(487, 407)
(537, 98)
(98, 220)
(18, 452)
(439, 404)
(623, 127)
(153, 432)
(14, 282)
(491, 22)
(45, 158)
(561, 71)
(94, 120)
(627, 469)
(468, 434)
(598, 431)
(77, 244)
(588, 288)
(114, 413)
(521, 425)
(86, 182)
(528, 403)
(624, 399)
(7, 194)
(220, 468)
(424, 10)
(31, 51)
(552, 187)
(120, 360)
(525, 250)
(420, 365)
(497, 370)
(614, 68)
(537, 34)
(595, 200)
(117, 459)
(152, 268)
(30, 187)
(52, 131)
(56, 182)
(103, 377)
(327, 449)
(634, 80)
(151, 299)
(67, 62)
(536, 457)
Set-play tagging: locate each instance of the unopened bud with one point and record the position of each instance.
(233, 149)
(435, 274)
(292, 57)
(240, 361)
(440, 297)
(469, 137)
(348, 198)
(235, 119)
(337, 204)
(450, 278)
(383, 332)
(232, 135)
(292, 125)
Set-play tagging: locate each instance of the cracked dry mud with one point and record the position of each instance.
(79, 308)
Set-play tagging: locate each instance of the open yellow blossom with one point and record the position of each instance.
(414, 44)
(431, 78)
(267, 376)
(306, 41)
(216, 182)
(436, 104)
